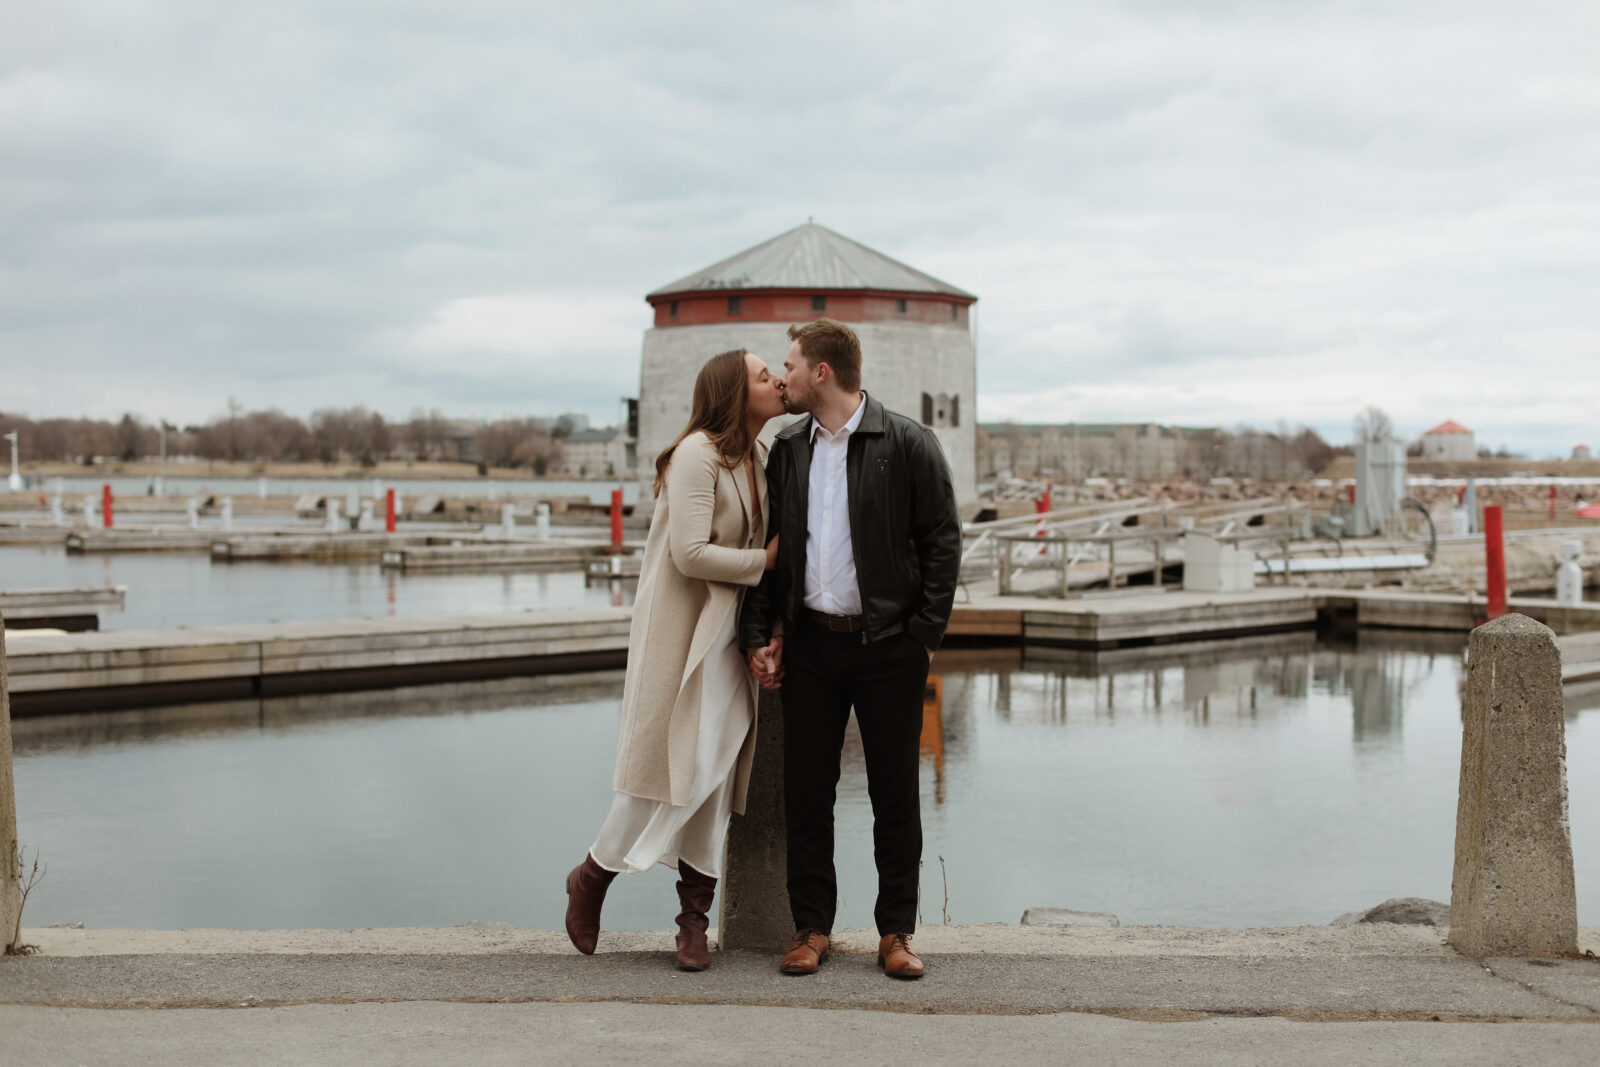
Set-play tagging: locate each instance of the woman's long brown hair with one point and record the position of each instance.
(721, 395)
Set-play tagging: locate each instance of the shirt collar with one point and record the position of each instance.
(849, 427)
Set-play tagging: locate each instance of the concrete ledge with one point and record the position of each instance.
(1172, 973)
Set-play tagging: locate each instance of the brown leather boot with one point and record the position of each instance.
(810, 948)
(586, 892)
(897, 959)
(695, 891)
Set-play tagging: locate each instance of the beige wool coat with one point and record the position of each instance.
(704, 549)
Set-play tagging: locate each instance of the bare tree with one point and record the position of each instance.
(1372, 423)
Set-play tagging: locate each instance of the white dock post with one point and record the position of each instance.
(227, 513)
(365, 522)
(508, 522)
(1569, 576)
(191, 509)
(56, 518)
(261, 489)
(541, 521)
(333, 514)
(88, 511)
(352, 504)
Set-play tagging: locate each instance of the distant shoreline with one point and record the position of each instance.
(388, 471)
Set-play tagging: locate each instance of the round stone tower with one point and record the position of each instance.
(917, 353)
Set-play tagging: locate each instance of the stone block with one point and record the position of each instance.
(1513, 892)
(754, 890)
(1408, 911)
(1068, 917)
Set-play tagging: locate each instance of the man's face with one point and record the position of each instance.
(799, 382)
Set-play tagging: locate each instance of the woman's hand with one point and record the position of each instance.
(772, 553)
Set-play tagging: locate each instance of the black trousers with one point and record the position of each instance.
(826, 673)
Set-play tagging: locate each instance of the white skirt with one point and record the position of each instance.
(639, 833)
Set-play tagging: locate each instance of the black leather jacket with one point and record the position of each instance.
(904, 530)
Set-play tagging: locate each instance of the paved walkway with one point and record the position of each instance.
(488, 993)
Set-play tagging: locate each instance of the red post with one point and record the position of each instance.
(105, 503)
(388, 511)
(616, 520)
(1041, 506)
(1352, 488)
(1495, 556)
(1552, 502)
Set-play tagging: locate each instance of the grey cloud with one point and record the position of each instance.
(262, 198)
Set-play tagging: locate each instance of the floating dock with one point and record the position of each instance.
(109, 669)
(60, 609)
(96, 671)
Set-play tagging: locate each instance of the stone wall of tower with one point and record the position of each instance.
(900, 361)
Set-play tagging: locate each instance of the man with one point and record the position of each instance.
(869, 548)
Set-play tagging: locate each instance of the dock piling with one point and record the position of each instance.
(1513, 893)
(754, 907)
(10, 887)
(105, 498)
(388, 511)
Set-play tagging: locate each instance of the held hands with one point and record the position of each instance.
(767, 663)
(772, 553)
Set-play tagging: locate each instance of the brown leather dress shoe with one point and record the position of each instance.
(810, 948)
(897, 959)
(695, 891)
(586, 892)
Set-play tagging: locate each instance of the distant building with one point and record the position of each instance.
(604, 453)
(1581, 452)
(1449, 440)
(1131, 450)
(916, 340)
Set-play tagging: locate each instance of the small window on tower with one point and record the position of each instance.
(672, 309)
(819, 303)
(733, 306)
(900, 305)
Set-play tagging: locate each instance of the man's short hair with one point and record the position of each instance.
(834, 343)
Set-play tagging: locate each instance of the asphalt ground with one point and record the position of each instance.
(1288, 996)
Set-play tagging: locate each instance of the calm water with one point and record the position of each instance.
(187, 589)
(1265, 781)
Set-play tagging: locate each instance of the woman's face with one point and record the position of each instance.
(765, 398)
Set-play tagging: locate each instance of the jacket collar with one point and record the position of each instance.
(872, 421)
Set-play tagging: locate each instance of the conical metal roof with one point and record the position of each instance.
(810, 257)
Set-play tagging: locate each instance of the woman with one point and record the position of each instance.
(688, 704)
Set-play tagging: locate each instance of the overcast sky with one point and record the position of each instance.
(1246, 215)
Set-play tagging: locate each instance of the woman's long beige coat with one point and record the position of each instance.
(704, 548)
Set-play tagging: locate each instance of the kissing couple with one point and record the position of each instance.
(826, 569)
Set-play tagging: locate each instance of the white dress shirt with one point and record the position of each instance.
(831, 584)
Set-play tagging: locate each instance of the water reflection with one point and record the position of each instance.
(1268, 780)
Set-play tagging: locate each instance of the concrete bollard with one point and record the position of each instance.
(1513, 892)
(1569, 576)
(508, 521)
(10, 888)
(541, 521)
(227, 513)
(333, 515)
(755, 894)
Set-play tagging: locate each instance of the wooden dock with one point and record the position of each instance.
(96, 671)
(60, 609)
(109, 669)
(495, 555)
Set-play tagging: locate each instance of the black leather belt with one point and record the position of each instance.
(843, 624)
